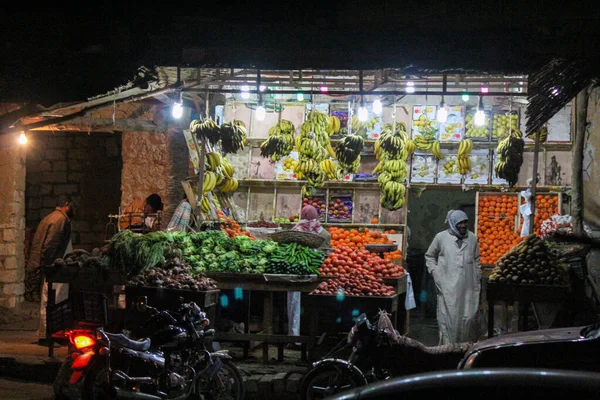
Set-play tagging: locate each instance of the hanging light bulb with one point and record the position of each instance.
(442, 114)
(377, 106)
(177, 110)
(480, 114)
(363, 114)
(324, 89)
(410, 87)
(300, 96)
(465, 97)
(261, 113)
(262, 88)
(22, 138)
(245, 92)
(484, 89)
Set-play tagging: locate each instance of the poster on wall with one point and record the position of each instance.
(374, 126)
(448, 171)
(453, 129)
(478, 133)
(424, 122)
(480, 168)
(423, 168)
(495, 179)
(191, 145)
(284, 168)
(503, 122)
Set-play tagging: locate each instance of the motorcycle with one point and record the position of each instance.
(173, 362)
(378, 352)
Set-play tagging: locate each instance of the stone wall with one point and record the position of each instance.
(85, 166)
(12, 220)
(154, 163)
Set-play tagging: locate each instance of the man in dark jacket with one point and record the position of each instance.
(51, 240)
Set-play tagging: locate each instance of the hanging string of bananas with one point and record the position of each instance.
(510, 157)
(543, 134)
(206, 129)
(348, 149)
(464, 161)
(219, 175)
(392, 153)
(233, 136)
(334, 125)
(280, 142)
(313, 146)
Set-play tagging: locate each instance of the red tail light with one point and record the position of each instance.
(82, 341)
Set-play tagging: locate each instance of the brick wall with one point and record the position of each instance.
(85, 166)
(12, 221)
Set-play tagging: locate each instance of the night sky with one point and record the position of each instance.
(66, 52)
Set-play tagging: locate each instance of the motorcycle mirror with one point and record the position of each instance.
(141, 303)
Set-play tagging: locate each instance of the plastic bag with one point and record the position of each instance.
(409, 301)
(384, 323)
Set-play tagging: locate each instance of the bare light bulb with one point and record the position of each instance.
(410, 87)
(177, 111)
(245, 92)
(363, 114)
(261, 113)
(442, 114)
(479, 118)
(377, 106)
(22, 138)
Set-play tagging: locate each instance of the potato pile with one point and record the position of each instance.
(529, 262)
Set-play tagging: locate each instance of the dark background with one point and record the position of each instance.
(69, 51)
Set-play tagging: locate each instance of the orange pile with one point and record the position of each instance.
(356, 239)
(232, 228)
(545, 207)
(496, 226)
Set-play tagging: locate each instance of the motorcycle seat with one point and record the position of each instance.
(122, 340)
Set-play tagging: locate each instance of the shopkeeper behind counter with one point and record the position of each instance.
(141, 214)
(308, 223)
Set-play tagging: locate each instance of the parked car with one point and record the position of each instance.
(574, 348)
(488, 384)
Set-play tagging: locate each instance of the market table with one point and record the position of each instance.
(524, 294)
(268, 284)
(89, 288)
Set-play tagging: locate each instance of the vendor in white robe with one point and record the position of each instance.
(453, 261)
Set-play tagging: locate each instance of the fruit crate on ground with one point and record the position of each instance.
(496, 224)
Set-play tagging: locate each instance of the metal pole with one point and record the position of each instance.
(536, 155)
(580, 111)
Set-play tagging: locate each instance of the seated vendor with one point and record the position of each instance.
(141, 214)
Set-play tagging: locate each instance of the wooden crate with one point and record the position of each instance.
(398, 283)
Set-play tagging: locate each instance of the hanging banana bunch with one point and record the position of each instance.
(314, 147)
(206, 129)
(228, 183)
(334, 125)
(509, 153)
(348, 152)
(233, 136)
(393, 137)
(280, 142)
(464, 161)
(543, 134)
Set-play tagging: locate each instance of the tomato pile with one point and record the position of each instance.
(355, 286)
(346, 261)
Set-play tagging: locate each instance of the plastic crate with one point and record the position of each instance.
(80, 309)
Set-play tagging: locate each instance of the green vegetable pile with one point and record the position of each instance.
(208, 251)
(295, 259)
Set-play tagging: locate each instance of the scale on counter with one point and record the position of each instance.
(381, 248)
